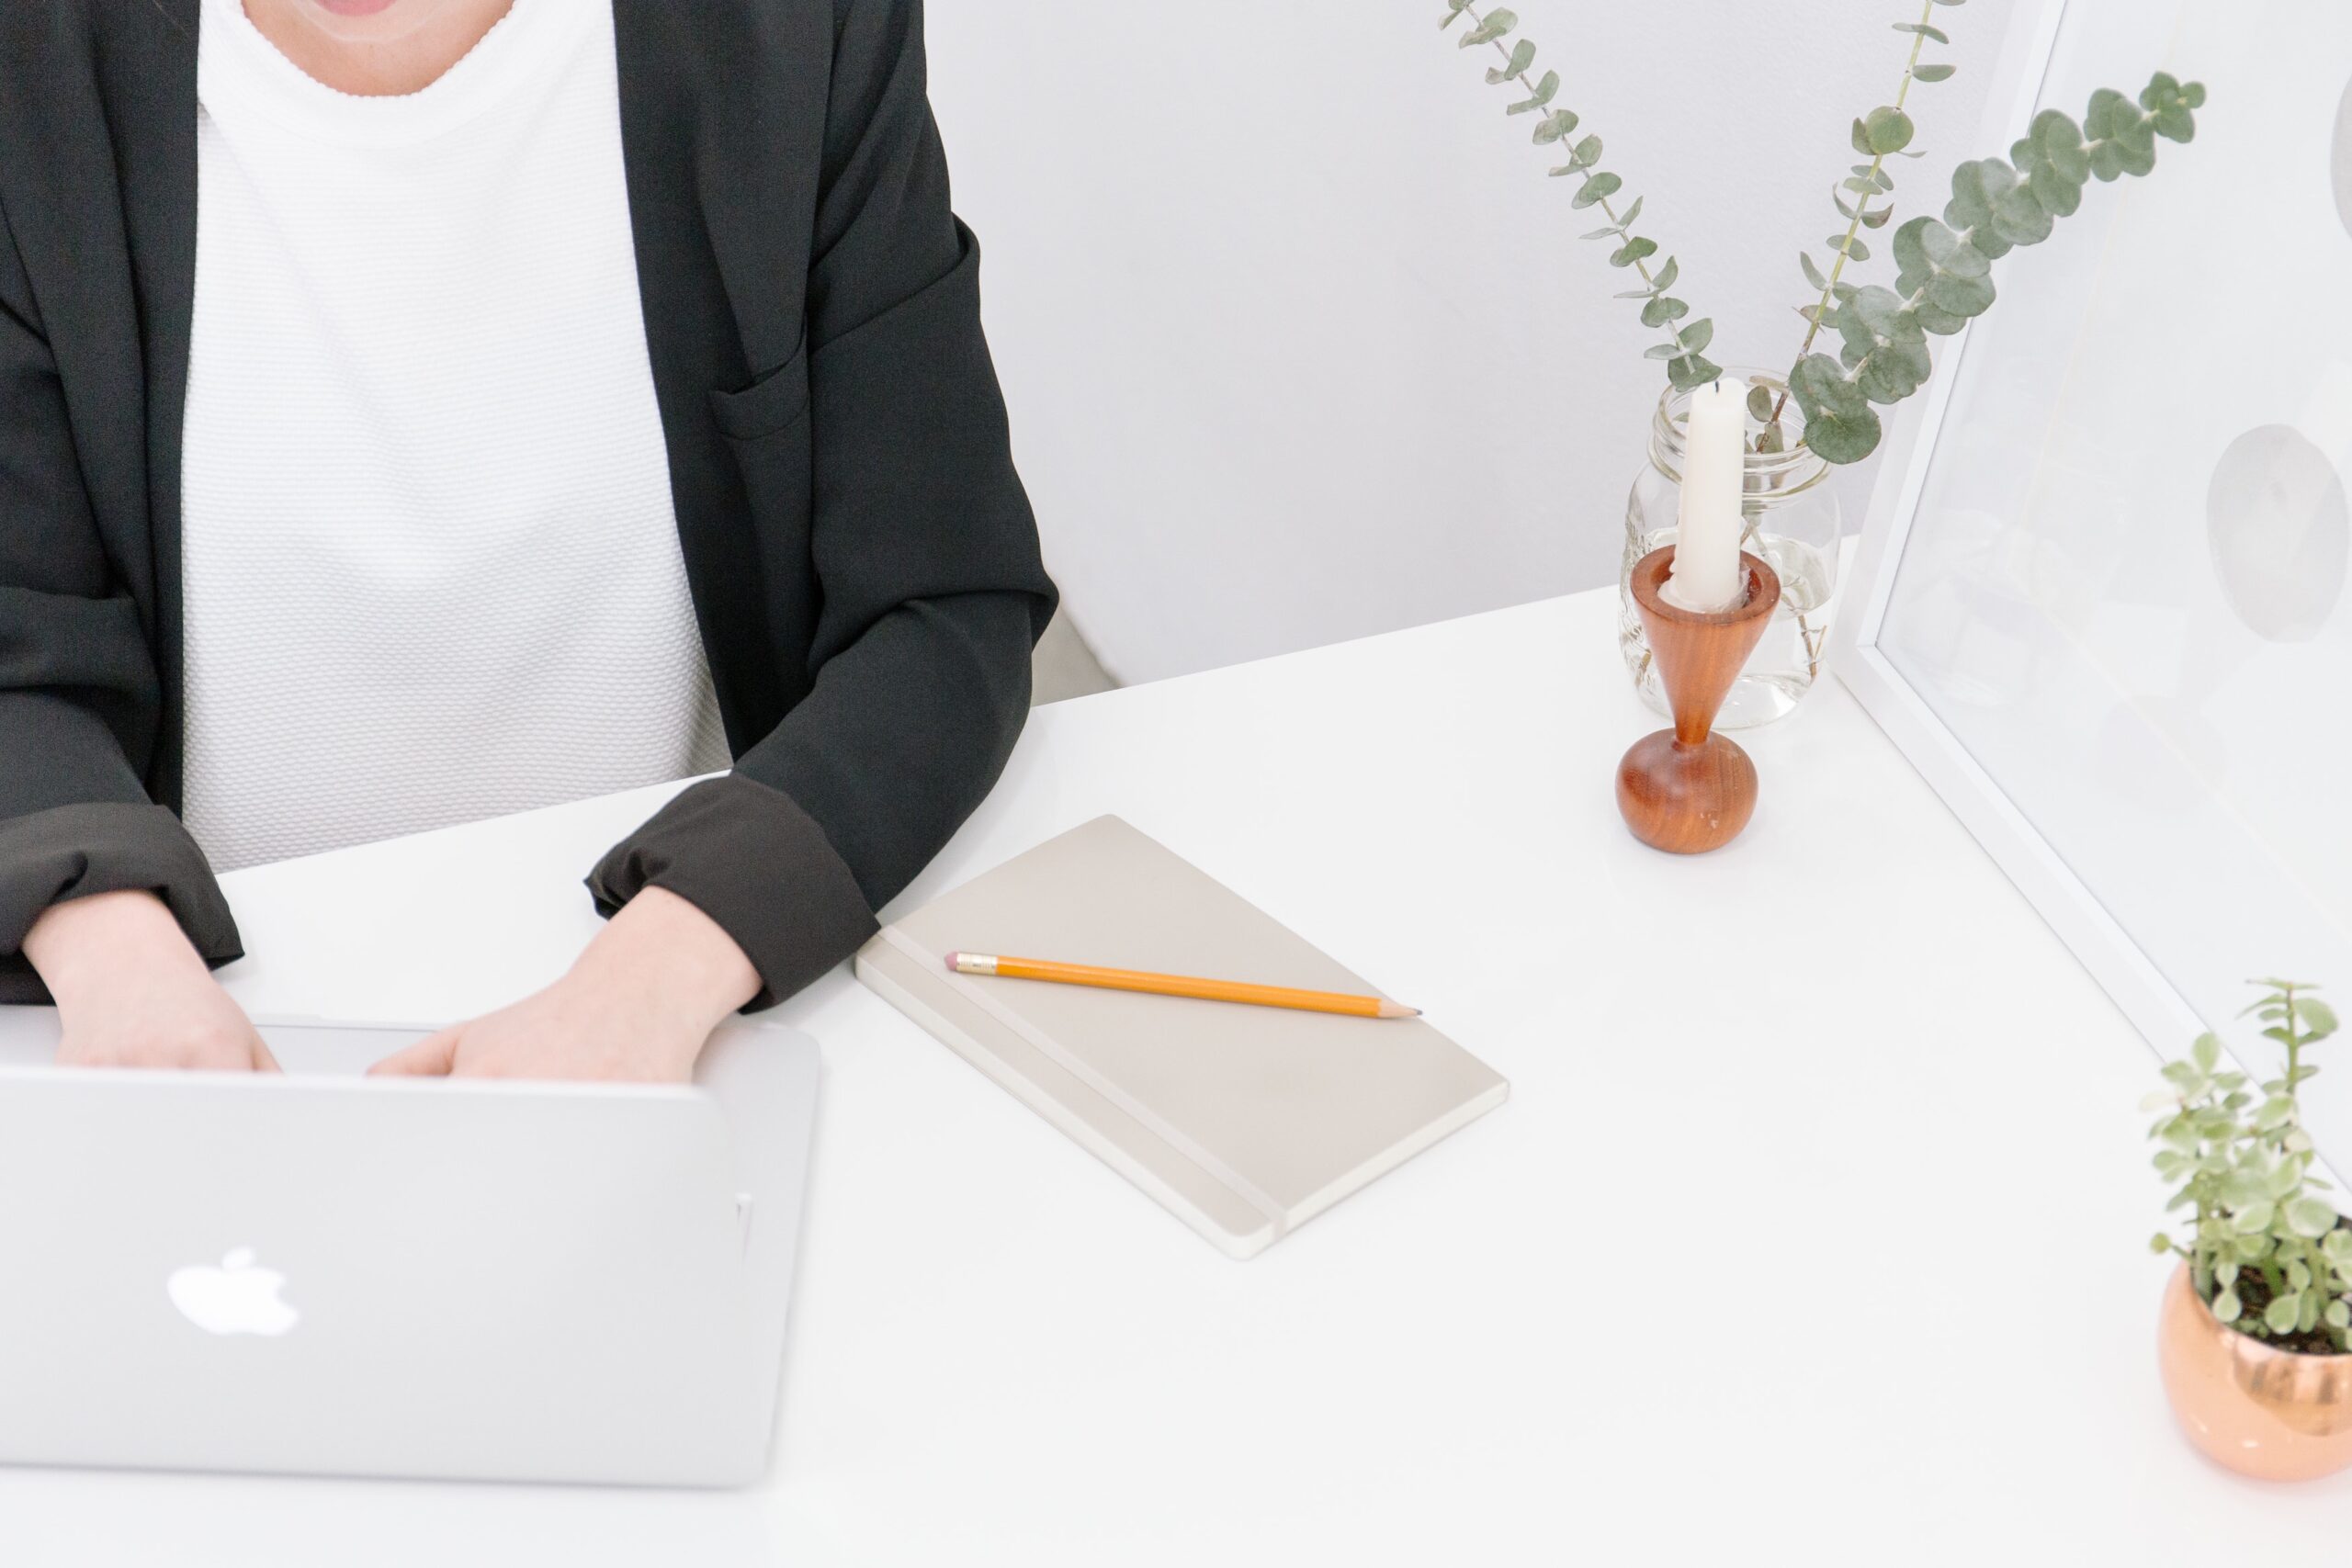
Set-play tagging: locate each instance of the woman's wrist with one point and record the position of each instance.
(83, 945)
(662, 949)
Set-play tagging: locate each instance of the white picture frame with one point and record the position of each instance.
(1986, 798)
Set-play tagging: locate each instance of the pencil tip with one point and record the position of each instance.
(1397, 1009)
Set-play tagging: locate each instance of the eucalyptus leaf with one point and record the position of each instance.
(1819, 385)
(1933, 72)
(1497, 23)
(1840, 438)
(1662, 309)
(1522, 55)
(1601, 187)
(1887, 129)
(1544, 91)
(1553, 125)
(1922, 28)
(1692, 371)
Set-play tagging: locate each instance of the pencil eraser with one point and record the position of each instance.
(954, 960)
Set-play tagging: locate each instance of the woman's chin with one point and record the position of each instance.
(366, 21)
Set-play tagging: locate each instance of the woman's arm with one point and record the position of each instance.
(933, 593)
(79, 696)
(133, 993)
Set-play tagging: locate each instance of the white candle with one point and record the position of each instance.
(1706, 576)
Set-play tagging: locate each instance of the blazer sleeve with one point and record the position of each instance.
(79, 695)
(926, 553)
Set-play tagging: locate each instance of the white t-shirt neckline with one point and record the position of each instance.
(534, 39)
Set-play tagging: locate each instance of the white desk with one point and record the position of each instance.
(1816, 1222)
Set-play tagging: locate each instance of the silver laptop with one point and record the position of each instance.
(326, 1274)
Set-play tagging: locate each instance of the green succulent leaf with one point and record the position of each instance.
(2310, 1218)
(2280, 1315)
(2227, 1307)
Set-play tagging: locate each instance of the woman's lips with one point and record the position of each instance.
(353, 7)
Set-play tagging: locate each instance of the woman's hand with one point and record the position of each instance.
(637, 1007)
(132, 992)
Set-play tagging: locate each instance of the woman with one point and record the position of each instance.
(418, 410)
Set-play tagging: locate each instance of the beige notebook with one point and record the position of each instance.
(1246, 1122)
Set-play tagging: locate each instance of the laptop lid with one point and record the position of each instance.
(321, 1273)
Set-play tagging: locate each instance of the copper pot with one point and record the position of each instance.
(2266, 1413)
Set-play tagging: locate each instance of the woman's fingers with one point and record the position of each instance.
(428, 1058)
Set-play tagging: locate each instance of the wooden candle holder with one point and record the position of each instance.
(1685, 790)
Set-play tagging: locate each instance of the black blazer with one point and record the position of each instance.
(864, 564)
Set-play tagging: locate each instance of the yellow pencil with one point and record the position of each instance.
(1177, 986)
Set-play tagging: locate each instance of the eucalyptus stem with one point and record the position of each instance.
(1854, 227)
(1611, 212)
(1684, 346)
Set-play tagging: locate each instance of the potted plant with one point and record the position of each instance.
(2256, 1338)
(1864, 345)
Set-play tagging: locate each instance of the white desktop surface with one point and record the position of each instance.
(1814, 1227)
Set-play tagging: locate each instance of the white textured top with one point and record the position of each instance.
(432, 569)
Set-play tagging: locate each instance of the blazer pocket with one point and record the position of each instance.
(771, 403)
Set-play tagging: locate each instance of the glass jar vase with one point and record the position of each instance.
(1792, 523)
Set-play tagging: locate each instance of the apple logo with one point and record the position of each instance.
(235, 1298)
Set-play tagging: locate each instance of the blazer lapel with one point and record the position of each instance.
(148, 78)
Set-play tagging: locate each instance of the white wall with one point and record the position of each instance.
(1299, 339)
